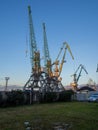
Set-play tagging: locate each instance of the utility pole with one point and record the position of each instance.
(6, 82)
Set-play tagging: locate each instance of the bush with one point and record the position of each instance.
(56, 96)
(3, 99)
(48, 97)
(15, 98)
(66, 95)
(18, 97)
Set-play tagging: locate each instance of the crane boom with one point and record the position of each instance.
(79, 75)
(78, 68)
(59, 70)
(46, 50)
(60, 51)
(33, 45)
(47, 59)
(82, 68)
(66, 47)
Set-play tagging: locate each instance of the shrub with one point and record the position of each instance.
(48, 97)
(65, 95)
(15, 98)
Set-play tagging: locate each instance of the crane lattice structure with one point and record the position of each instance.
(76, 77)
(37, 78)
(49, 80)
(58, 65)
(54, 81)
(46, 49)
(47, 59)
(51, 83)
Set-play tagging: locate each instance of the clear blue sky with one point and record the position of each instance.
(74, 21)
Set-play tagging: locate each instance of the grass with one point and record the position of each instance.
(78, 115)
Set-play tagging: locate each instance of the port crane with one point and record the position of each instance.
(36, 80)
(76, 77)
(55, 80)
(58, 65)
(51, 83)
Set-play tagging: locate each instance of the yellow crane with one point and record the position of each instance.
(58, 65)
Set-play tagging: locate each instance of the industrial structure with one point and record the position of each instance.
(47, 59)
(47, 78)
(6, 82)
(58, 64)
(77, 76)
(55, 78)
(37, 79)
(53, 70)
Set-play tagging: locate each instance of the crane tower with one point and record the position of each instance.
(47, 59)
(37, 78)
(46, 50)
(33, 44)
